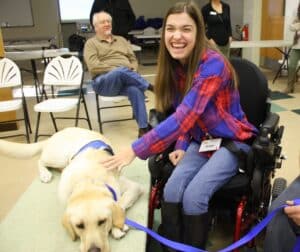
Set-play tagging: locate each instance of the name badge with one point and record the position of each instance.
(212, 13)
(210, 145)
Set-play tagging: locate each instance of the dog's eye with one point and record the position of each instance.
(80, 226)
(100, 222)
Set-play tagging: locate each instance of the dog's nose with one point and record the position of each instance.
(94, 249)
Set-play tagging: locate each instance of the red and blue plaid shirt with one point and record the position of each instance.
(212, 106)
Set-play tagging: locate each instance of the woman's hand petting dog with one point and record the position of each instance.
(119, 160)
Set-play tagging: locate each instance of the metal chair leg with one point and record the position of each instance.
(53, 121)
(98, 113)
(27, 124)
(37, 127)
(77, 113)
(27, 114)
(86, 112)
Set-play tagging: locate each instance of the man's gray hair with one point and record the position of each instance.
(95, 16)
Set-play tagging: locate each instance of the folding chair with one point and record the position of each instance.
(100, 105)
(64, 76)
(10, 77)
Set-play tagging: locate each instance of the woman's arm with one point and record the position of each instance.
(295, 26)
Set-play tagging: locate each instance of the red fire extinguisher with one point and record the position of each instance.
(245, 32)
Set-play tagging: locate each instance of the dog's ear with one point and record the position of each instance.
(68, 226)
(118, 215)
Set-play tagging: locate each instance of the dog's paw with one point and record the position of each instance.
(125, 228)
(118, 233)
(45, 176)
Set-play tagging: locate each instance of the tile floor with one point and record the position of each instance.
(17, 175)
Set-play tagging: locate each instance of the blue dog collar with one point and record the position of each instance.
(96, 144)
(112, 192)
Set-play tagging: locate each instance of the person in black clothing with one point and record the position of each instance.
(216, 15)
(122, 15)
(282, 231)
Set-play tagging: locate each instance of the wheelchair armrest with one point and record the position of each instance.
(267, 143)
(270, 124)
(267, 129)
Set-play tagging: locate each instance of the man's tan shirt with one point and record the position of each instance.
(102, 56)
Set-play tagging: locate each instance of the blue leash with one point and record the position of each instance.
(248, 237)
(186, 248)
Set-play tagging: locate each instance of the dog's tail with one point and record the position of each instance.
(21, 150)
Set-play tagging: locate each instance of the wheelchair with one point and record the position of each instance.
(248, 194)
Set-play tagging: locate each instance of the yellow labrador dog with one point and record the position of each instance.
(96, 198)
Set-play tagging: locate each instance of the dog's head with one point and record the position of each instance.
(90, 215)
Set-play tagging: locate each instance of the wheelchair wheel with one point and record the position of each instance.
(278, 187)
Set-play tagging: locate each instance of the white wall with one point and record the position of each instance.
(46, 22)
(290, 14)
(152, 8)
(252, 17)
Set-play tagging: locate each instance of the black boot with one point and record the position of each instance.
(171, 219)
(196, 230)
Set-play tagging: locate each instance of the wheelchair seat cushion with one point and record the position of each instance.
(236, 184)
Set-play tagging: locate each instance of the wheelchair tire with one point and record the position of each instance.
(279, 186)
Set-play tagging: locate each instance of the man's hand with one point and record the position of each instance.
(176, 156)
(293, 212)
(133, 67)
(119, 160)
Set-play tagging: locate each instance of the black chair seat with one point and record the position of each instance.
(237, 185)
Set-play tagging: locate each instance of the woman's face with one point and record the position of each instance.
(180, 36)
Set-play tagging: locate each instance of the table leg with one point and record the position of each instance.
(286, 54)
(36, 80)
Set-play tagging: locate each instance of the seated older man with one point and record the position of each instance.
(113, 66)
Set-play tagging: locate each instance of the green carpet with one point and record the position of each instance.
(276, 95)
(69, 92)
(297, 111)
(276, 108)
(34, 224)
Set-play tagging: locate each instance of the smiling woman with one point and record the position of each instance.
(198, 83)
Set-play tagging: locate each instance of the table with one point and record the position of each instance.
(27, 46)
(278, 44)
(146, 40)
(33, 55)
(260, 43)
(22, 44)
(148, 36)
(136, 48)
(38, 54)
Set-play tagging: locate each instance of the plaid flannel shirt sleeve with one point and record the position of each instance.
(206, 83)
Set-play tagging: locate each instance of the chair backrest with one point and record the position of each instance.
(10, 74)
(64, 72)
(253, 88)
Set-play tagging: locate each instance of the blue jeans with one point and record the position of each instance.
(122, 81)
(196, 178)
(281, 231)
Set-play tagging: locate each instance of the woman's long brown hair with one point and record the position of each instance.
(165, 88)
